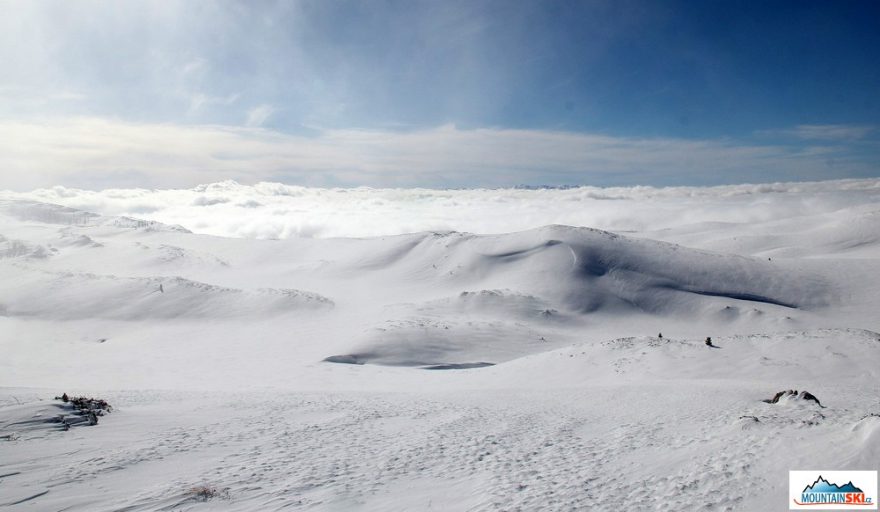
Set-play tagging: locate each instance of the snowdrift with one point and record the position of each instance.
(539, 282)
(71, 296)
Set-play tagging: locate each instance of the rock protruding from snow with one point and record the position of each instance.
(789, 394)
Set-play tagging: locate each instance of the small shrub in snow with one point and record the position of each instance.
(207, 492)
(86, 410)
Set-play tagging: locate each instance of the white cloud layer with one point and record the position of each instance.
(273, 210)
(98, 153)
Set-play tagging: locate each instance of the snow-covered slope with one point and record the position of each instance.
(515, 371)
(416, 299)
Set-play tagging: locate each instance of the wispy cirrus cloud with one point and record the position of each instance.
(200, 101)
(258, 115)
(832, 131)
(835, 132)
(99, 153)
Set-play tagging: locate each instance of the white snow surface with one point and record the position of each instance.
(439, 369)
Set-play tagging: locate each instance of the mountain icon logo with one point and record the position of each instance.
(810, 490)
(822, 485)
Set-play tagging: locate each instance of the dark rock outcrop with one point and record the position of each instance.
(803, 395)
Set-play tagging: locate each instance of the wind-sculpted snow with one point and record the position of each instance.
(149, 225)
(72, 296)
(588, 269)
(557, 368)
(66, 237)
(537, 284)
(423, 299)
(501, 302)
(850, 354)
(21, 249)
(424, 341)
(45, 213)
(598, 270)
(664, 424)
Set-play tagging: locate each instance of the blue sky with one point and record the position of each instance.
(451, 93)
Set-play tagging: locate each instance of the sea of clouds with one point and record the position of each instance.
(275, 210)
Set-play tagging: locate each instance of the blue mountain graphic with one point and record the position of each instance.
(822, 485)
